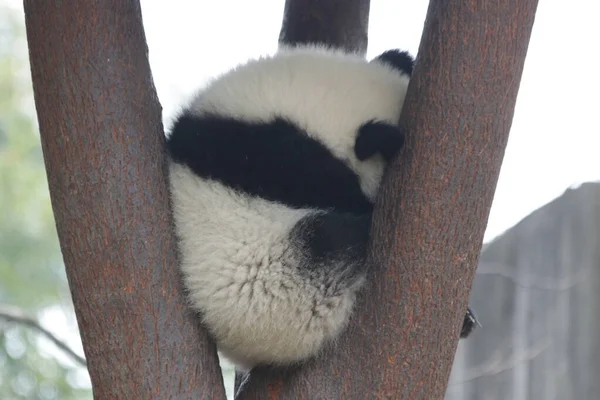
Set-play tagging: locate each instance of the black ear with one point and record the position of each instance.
(398, 59)
(376, 137)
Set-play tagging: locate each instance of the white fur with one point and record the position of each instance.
(237, 258)
(328, 93)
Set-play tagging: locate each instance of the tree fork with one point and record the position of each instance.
(432, 210)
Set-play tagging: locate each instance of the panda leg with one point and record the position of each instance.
(470, 323)
(334, 248)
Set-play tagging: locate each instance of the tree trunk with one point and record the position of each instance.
(339, 23)
(432, 211)
(103, 144)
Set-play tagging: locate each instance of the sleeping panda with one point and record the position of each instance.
(274, 169)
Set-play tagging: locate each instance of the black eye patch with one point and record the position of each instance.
(377, 137)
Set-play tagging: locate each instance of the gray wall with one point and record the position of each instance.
(536, 293)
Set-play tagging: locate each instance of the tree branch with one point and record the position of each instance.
(103, 145)
(14, 315)
(338, 23)
(426, 241)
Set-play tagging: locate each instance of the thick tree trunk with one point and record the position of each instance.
(101, 131)
(431, 214)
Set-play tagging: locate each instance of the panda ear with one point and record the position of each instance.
(397, 59)
(376, 137)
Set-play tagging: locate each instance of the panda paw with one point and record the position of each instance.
(470, 323)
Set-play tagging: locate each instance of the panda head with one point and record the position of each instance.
(349, 105)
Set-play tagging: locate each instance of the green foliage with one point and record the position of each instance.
(32, 275)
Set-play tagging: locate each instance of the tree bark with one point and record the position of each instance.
(339, 23)
(431, 214)
(103, 144)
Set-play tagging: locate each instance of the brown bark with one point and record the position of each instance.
(339, 23)
(103, 144)
(431, 214)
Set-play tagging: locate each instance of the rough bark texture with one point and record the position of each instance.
(338, 23)
(431, 214)
(103, 144)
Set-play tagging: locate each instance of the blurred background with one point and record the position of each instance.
(538, 282)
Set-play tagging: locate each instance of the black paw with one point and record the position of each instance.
(470, 323)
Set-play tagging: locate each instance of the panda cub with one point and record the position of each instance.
(274, 169)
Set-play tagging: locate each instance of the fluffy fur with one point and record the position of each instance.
(274, 169)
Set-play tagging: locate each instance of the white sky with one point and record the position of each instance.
(191, 41)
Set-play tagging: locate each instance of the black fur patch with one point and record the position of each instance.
(470, 323)
(333, 235)
(401, 60)
(376, 137)
(275, 160)
(333, 245)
